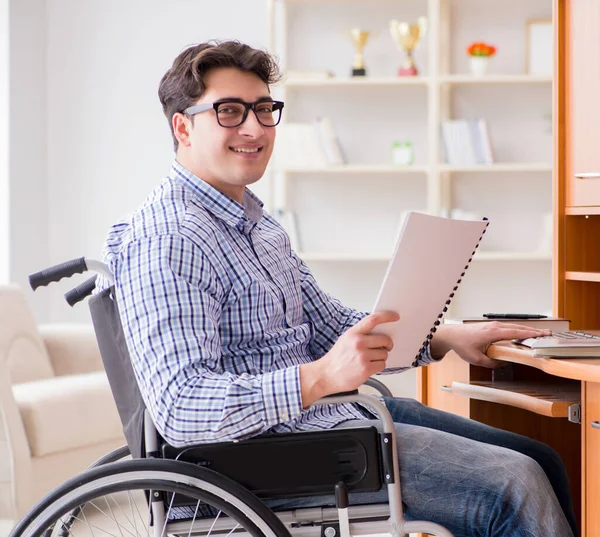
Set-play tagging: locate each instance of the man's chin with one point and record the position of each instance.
(248, 177)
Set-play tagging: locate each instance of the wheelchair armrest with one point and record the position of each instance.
(390, 458)
(372, 383)
(372, 402)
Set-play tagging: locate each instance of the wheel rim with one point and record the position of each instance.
(116, 505)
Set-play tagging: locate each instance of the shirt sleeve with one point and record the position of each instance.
(329, 319)
(170, 298)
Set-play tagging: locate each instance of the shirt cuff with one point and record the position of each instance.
(426, 358)
(282, 395)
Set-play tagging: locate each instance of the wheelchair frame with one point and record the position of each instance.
(112, 471)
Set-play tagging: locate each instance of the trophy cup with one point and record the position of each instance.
(360, 39)
(406, 37)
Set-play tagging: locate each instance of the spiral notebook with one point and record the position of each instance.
(430, 259)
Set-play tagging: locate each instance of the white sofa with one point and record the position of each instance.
(57, 414)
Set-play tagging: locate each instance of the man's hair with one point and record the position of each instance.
(184, 83)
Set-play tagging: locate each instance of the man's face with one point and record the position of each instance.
(227, 158)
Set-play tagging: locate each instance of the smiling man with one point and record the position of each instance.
(230, 335)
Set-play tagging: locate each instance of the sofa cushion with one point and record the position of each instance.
(67, 412)
(21, 347)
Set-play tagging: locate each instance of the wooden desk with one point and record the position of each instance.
(550, 386)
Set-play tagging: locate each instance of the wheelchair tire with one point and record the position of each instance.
(115, 495)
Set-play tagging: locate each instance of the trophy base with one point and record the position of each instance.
(359, 72)
(408, 71)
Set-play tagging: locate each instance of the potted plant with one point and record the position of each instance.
(480, 54)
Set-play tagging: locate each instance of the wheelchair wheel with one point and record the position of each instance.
(113, 500)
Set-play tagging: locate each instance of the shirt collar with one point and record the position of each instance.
(243, 216)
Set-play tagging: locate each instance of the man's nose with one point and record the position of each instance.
(251, 127)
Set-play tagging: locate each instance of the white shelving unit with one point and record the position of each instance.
(345, 214)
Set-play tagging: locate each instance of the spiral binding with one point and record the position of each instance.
(433, 329)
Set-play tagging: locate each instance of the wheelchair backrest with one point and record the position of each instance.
(117, 363)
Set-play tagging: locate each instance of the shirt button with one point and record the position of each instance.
(285, 416)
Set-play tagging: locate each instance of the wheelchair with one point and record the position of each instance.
(149, 488)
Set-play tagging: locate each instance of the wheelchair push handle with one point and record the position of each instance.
(81, 291)
(57, 272)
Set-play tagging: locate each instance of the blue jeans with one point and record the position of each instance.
(471, 478)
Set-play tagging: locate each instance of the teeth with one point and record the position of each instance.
(240, 150)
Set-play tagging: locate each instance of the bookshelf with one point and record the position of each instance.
(365, 197)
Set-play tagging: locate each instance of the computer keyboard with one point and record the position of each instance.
(574, 334)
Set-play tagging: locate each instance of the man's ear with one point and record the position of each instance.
(181, 128)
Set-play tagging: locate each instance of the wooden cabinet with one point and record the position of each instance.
(591, 461)
(582, 87)
(577, 138)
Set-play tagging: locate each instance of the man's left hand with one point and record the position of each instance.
(471, 341)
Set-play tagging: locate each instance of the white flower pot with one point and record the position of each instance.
(479, 65)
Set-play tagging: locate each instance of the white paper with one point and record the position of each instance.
(430, 255)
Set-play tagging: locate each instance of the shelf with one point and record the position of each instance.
(582, 211)
(358, 168)
(551, 400)
(497, 167)
(495, 79)
(512, 256)
(356, 81)
(582, 276)
(479, 256)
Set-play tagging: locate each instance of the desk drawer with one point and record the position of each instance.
(583, 189)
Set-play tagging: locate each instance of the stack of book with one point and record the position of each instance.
(556, 324)
(308, 145)
(467, 142)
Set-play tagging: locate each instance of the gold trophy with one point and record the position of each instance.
(360, 39)
(406, 37)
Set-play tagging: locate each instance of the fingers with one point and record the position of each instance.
(368, 323)
(512, 331)
(377, 341)
(378, 355)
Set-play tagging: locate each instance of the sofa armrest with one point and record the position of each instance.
(72, 348)
(15, 469)
(67, 412)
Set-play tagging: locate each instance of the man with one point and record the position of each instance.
(231, 337)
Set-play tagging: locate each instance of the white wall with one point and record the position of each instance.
(108, 141)
(27, 146)
(4, 192)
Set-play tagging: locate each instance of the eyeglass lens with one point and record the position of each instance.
(233, 114)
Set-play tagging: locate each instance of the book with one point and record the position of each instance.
(466, 142)
(298, 146)
(329, 141)
(430, 259)
(556, 324)
(577, 345)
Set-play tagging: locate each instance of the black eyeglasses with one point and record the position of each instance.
(232, 113)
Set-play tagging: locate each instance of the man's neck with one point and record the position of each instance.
(235, 193)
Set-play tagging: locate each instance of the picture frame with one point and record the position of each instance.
(539, 50)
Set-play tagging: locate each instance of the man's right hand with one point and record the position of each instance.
(356, 355)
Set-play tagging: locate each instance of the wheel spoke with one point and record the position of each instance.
(194, 519)
(214, 522)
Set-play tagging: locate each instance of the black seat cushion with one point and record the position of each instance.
(294, 465)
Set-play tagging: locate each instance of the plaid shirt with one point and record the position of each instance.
(219, 314)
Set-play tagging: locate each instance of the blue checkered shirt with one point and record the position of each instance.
(219, 314)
